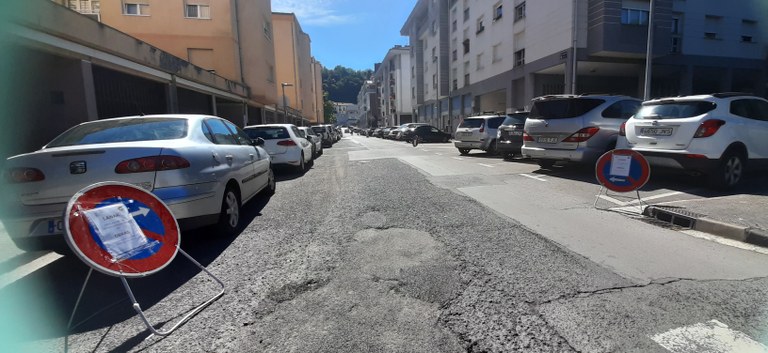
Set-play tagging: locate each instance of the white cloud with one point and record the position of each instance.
(313, 12)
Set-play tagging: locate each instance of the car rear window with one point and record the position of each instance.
(564, 108)
(318, 129)
(674, 109)
(122, 130)
(268, 133)
(515, 119)
(472, 123)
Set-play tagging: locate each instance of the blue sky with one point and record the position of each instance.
(350, 33)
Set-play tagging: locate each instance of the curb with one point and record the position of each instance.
(702, 223)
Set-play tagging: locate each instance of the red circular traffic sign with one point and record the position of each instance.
(92, 242)
(622, 170)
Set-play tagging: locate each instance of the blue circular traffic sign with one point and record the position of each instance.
(622, 170)
(121, 230)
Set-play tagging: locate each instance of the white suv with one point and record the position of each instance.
(478, 132)
(715, 134)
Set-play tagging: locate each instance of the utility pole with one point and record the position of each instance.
(285, 104)
(649, 56)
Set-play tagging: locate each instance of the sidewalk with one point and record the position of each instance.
(741, 217)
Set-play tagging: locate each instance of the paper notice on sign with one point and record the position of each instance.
(620, 165)
(118, 231)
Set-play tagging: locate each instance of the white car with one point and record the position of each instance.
(716, 134)
(203, 167)
(284, 144)
(315, 139)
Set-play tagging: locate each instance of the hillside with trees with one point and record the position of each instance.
(343, 84)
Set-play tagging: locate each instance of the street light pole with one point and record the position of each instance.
(649, 56)
(285, 105)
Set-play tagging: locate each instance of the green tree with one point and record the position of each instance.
(329, 114)
(343, 84)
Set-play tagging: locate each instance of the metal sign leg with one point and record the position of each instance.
(186, 318)
(598, 196)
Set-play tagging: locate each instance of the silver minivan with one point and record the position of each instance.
(575, 128)
(478, 133)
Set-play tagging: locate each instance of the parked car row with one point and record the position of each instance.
(203, 167)
(717, 135)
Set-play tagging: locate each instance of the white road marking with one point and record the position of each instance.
(25, 270)
(486, 165)
(458, 158)
(708, 337)
(611, 199)
(439, 154)
(654, 197)
(357, 142)
(534, 177)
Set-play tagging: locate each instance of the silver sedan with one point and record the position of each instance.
(203, 167)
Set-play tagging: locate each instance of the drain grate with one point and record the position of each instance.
(674, 215)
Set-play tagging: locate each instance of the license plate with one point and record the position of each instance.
(55, 226)
(547, 140)
(466, 133)
(656, 131)
(516, 133)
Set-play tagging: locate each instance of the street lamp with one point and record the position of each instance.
(285, 105)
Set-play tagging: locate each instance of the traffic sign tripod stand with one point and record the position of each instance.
(640, 202)
(138, 309)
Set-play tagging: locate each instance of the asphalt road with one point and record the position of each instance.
(382, 247)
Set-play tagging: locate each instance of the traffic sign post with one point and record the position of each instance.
(124, 231)
(622, 170)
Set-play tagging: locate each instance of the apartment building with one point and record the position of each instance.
(295, 69)
(502, 53)
(369, 105)
(232, 39)
(317, 91)
(393, 81)
(427, 30)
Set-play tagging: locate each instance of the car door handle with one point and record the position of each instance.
(252, 156)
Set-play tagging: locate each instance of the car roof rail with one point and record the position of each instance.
(731, 94)
(548, 96)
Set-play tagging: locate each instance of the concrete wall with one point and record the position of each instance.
(286, 57)
(257, 49)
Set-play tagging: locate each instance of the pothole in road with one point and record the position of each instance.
(292, 290)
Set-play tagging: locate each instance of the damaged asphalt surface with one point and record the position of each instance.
(369, 256)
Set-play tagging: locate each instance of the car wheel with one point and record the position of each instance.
(269, 190)
(464, 151)
(492, 148)
(445, 140)
(546, 163)
(729, 172)
(302, 166)
(229, 219)
(509, 156)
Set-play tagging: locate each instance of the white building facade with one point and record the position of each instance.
(393, 80)
(496, 55)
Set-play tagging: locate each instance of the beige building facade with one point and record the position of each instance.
(233, 39)
(295, 74)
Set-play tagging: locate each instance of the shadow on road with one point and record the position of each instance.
(42, 302)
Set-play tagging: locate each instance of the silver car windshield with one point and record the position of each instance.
(122, 130)
(563, 108)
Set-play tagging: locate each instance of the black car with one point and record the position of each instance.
(429, 133)
(510, 135)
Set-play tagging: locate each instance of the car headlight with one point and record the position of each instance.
(498, 133)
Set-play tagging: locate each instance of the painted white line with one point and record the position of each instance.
(534, 177)
(486, 165)
(458, 158)
(439, 154)
(357, 142)
(23, 271)
(708, 337)
(654, 197)
(611, 199)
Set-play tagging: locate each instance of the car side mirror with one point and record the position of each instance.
(257, 142)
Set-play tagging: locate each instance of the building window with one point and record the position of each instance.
(497, 12)
(496, 55)
(434, 54)
(466, 79)
(675, 48)
(746, 39)
(271, 74)
(454, 55)
(480, 61)
(466, 14)
(465, 44)
(454, 26)
(434, 27)
(455, 84)
(634, 16)
(135, 9)
(197, 11)
(413, 92)
(413, 72)
(675, 25)
(710, 35)
(520, 11)
(480, 26)
(520, 57)
(268, 30)
(434, 81)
